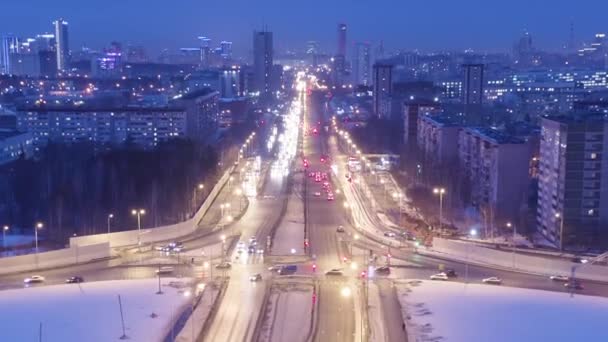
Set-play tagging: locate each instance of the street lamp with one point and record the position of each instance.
(4, 230)
(110, 217)
(223, 238)
(199, 187)
(561, 230)
(509, 225)
(38, 226)
(440, 192)
(138, 213)
(239, 193)
(473, 234)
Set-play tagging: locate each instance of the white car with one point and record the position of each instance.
(389, 234)
(164, 270)
(492, 280)
(559, 278)
(255, 277)
(34, 279)
(335, 271)
(223, 265)
(439, 276)
(317, 194)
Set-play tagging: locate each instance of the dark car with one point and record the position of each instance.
(573, 285)
(383, 270)
(450, 273)
(74, 280)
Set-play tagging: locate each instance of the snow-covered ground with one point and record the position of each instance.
(289, 313)
(197, 319)
(375, 314)
(289, 237)
(90, 312)
(449, 311)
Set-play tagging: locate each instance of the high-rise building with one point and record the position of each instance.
(473, 84)
(262, 61)
(473, 90)
(523, 49)
(339, 60)
(341, 40)
(362, 63)
(312, 47)
(383, 86)
(62, 44)
(226, 49)
(9, 45)
(205, 51)
(496, 171)
(573, 180)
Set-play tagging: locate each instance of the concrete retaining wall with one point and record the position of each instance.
(58, 258)
(506, 259)
(150, 235)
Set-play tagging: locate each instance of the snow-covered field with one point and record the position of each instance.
(449, 311)
(90, 312)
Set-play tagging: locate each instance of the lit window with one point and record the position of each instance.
(590, 212)
(593, 155)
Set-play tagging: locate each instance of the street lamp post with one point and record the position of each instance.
(39, 225)
(138, 213)
(561, 230)
(440, 192)
(509, 225)
(198, 188)
(4, 230)
(472, 233)
(223, 238)
(110, 217)
(239, 193)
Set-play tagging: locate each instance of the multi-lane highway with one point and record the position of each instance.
(341, 299)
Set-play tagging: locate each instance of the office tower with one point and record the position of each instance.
(62, 44)
(9, 45)
(573, 180)
(339, 60)
(473, 91)
(48, 62)
(226, 49)
(312, 47)
(43, 42)
(382, 83)
(341, 40)
(361, 63)
(262, 61)
(205, 51)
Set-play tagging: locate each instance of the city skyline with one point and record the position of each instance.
(466, 22)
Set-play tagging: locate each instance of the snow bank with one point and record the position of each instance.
(375, 314)
(455, 312)
(90, 312)
(289, 313)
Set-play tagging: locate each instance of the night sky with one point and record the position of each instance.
(409, 24)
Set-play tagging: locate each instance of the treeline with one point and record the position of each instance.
(380, 136)
(73, 188)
